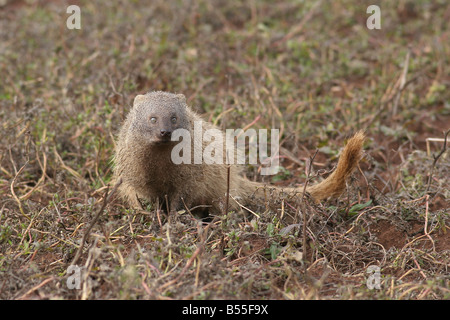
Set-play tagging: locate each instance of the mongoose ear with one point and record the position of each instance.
(181, 98)
(139, 98)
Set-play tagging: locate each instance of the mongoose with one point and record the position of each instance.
(143, 161)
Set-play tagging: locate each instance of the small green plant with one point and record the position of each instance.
(355, 209)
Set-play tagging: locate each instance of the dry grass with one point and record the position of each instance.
(314, 71)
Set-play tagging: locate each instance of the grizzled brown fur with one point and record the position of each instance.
(143, 161)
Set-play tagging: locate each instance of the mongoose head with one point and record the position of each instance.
(155, 115)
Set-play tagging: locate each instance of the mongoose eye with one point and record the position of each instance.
(153, 120)
(174, 120)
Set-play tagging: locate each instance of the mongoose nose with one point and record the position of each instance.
(165, 133)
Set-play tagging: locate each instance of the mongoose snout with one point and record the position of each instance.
(166, 133)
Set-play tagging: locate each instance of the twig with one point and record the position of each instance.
(41, 179)
(427, 140)
(382, 105)
(29, 226)
(167, 204)
(361, 214)
(186, 207)
(308, 173)
(402, 83)
(244, 207)
(14, 194)
(94, 220)
(425, 228)
(295, 30)
(248, 126)
(228, 190)
(420, 269)
(196, 253)
(303, 207)
(436, 158)
(365, 179)
(43, 283)
(158, 213)
(64, 166)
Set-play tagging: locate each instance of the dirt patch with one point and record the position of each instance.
(389, 235)
(393, 236)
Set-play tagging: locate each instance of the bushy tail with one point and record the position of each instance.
(331, 187)
(334, 185)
